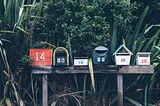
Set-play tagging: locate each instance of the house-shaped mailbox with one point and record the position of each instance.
(100, 55)
(60, 57)
(122, 55)
(143, 58)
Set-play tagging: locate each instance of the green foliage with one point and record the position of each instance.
(80, 26)
(25, 60)
(88, 24)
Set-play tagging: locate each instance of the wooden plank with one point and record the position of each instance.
(107, 69)
(45, 90)
(74, 70)
(137, 69)
(120, 89)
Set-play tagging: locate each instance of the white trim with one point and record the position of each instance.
(120, 47)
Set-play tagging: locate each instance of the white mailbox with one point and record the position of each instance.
(80, 61)
(143, 58)
(122, 55)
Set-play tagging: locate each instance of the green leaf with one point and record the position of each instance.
(24, 31)
(145, 95)
(54, 103)
(114, 38)
(133, 101)
(139, 24)
(155, 36)
(157, 47)
(8, 102)
(91, 73)
(150, 27)
(79, 104)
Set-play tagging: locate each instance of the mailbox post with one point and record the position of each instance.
(42, 57)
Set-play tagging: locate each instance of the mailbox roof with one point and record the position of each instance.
(143, 53)
(101, 48)
(125, 48)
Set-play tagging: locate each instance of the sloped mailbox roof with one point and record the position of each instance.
(125, 48)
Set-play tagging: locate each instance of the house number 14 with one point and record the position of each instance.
(42, 57)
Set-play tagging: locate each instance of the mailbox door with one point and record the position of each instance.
(41, 57)
(143, 61)
(122, 59)
(61, 60)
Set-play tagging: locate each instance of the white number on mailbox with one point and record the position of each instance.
(42, 57)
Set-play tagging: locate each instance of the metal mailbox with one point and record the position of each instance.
(100, 55)
(41, 57)
(122, 55)
(60, 57)
(80, 61)
(143, 58)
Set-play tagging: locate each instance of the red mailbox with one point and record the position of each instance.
(41, 57)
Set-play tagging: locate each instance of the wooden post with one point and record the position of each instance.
(45, 90)
(120, 89)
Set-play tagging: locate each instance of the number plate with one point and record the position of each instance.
(41, 57)
(80, 62)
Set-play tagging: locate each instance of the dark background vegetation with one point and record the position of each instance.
(79, 26)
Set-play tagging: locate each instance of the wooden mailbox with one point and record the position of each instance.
(41, 57)
(143, 58)
(122, 55)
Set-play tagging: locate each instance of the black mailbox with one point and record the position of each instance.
(100, 55)
(60, 57)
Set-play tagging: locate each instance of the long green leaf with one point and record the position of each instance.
(84, 87)
(114, 38)
(155, 36)
(24, 31)
(135, 35)
(139, 24)
(150, 27)
(79, 104)
(145, 95)
(91, 73)
(2, 9)
(133, 101)
(54, 103)
(8, 102)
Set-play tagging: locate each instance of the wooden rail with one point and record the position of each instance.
(45, 70)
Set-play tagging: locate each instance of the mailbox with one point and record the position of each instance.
(41, 57)
(122, 55)
(100, 55)
(61, 57)
(143, 58)
(80, 61)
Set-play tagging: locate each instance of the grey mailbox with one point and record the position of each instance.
(100, 55)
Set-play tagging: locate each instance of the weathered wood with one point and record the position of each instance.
(120, 89)
(137, 69)
(45, 90)
(75, 70)
(107, 69)
(44, 70)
